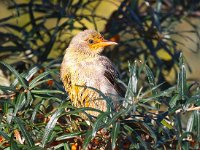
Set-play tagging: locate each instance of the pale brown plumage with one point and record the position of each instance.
(83, 67)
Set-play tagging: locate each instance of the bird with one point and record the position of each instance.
(84, 69)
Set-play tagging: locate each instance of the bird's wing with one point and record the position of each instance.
(112, 75)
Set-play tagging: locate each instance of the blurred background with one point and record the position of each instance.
(151, 31)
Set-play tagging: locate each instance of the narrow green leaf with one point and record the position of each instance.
(151, 131)
(27, 75)
(69, 135)
(39, 83)
(190, 123)
(178, 123)
(81, 110)
(114, 134)
(185, 145)
(98, 123)
(115, 117)
(35, 148)
(128, 128)
(9, 115)
(44, 91)
(7, 88)
(182, 86)
(58, 147)
(134, 79)
(38, 78)
(193, 124)
(50, 126)
(151, 79)
(198, 124)
(4, 135)
(19, 77)
(104, 97)
(20, 102)
(132, 85)
(37, 107)
(87, 139)
(66, 146)
(29, 99)
(160, 94)
(25, 133)
(173, 101)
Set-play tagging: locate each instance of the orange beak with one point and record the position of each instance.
(104, 43)
(107, 43)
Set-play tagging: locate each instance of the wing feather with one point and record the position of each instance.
(112, 76)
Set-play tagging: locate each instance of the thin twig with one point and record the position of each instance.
(189, 109)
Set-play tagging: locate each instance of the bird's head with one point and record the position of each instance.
(89, 41)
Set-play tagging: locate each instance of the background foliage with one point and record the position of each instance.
(157, 113)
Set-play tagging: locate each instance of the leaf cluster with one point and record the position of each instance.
(36, 117)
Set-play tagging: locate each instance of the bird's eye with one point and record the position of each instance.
(91, 41)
